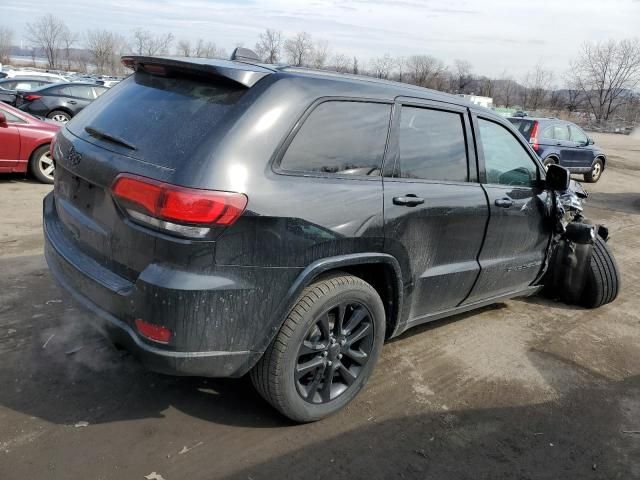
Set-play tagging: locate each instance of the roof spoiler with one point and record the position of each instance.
(243, 74)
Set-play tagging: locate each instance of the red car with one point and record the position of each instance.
(24, 143)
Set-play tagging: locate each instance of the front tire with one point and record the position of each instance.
(41, 164)
(549, 161)
(603, 278)
(596, 172)
(325, 351)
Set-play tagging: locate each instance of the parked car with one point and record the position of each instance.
(24, 143)
(220, 218)
(53, 77)
(9, 86)
(563, 143)
(59, 102)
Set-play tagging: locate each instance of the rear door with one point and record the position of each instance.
(81, 96)
(435, 209)
(518, 233)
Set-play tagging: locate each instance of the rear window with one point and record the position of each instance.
(523, 126)
(340, 137)
(166, 119)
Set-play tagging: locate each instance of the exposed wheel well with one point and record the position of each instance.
(37, 147)
(552, 157)
(382, 277)
(602, 159)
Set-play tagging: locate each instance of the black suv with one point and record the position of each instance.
(225, 217)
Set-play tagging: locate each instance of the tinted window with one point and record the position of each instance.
(59, 91)
(99, 91)
(506, 160)
(560, 132)
(577, 135)
(82, 91)
(8, 85)
(168, 120)
(11, 118)
(346, 138)
(432, 145)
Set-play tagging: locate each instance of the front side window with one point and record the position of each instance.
(506, 161)
(82, 91)
(11, 118)
(340, 137)
(432, 145)
(577, 135)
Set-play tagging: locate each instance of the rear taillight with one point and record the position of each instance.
(186, 211)
(31, 97)
(157, 333)
(533, 139)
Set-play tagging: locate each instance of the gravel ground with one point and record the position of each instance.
(523, 389)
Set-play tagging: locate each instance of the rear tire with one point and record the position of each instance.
(59, 116)
(41, 164)
(318, 363)
(596, 172)
(603, 278)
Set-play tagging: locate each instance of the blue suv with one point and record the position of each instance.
(563, 143)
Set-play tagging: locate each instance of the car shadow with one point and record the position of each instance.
(58, 368)
(6, 178)
(625, 202)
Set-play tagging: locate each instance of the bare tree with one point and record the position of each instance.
(184, 48)
(355, 69)
(146, 43)
(341, 63)
(381, 67)
(462, 76)
(425, 71)
(208, 50)
(319, 54)
(105, 49)
(47, 33)
(536, 87)
(606, 73)
(68, 40)
(269, 45)
(299, 48)
(401, 63)
(506, 90)
(6, 38)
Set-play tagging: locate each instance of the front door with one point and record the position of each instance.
(518, 232)
(9, 142)
(435, 210)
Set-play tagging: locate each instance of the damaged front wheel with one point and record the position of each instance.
(602, 277)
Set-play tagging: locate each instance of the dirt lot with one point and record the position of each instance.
(524, 389)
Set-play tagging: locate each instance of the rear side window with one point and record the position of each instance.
(560, 132)
(432, 145)
(82, 91)
(59, 91)
(340, 137)
(166, 119)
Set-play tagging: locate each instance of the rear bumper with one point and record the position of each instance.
(219, 330)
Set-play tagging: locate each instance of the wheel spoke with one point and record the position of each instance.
(309, 348)
(323, 325)
(357, 316)
(325, 393)
(308, 366)
(338, 328)
(362, 332)
(313, 387)
(346, 375)
(357, 356)
(49, 170)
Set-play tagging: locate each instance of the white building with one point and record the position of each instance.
(486, 102)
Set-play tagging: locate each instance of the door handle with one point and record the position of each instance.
(72, 102)
(408, 201)
(503, 202)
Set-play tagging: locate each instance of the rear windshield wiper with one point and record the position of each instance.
(109, 138)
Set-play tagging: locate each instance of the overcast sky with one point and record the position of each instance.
(494, 35)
